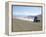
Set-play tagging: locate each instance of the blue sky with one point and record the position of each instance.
(26, 11)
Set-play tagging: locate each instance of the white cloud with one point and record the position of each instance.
(26, 13)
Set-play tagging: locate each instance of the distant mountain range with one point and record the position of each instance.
(32, 16)
(29, 18)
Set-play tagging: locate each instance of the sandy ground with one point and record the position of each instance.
(22, 18)
(22, 25)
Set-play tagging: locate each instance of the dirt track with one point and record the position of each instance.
(19, 25)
